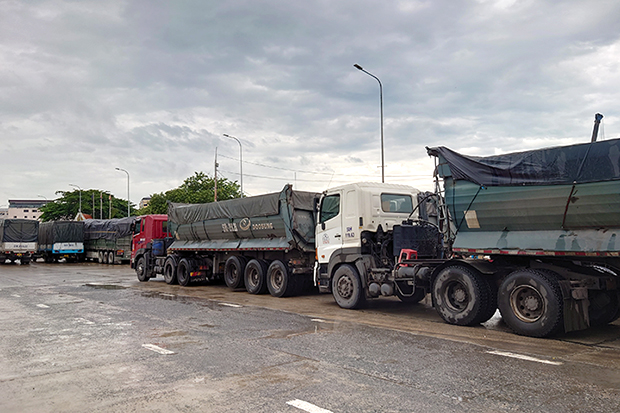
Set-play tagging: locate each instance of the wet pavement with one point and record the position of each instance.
(76, 337)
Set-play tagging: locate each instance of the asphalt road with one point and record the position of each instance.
(90, 337)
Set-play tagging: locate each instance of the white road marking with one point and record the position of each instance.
(15, 295)
(522, 357)
(167, 295)
(318, 320)
(157, 349)
(308, 407)
(43, 306)
(231, 305)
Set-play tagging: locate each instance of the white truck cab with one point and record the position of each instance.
(353, 224)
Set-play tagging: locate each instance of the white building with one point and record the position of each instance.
(24, 209)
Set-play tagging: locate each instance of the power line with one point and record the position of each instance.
(319, 173)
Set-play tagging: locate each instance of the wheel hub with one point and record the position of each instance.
(527, 303)
(345, 287)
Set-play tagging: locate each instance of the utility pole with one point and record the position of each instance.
(216, 165)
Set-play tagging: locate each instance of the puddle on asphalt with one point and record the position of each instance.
(105, 286)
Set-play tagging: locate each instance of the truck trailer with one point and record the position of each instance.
(262, 243)
(18, 240)
(61, 239)
(108, 241)
(532, 234)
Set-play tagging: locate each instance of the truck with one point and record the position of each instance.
(61, 239)
(261, 243)
(108, 241)
(532, 234)
(18, 240)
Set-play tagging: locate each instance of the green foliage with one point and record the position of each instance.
(197, 189)
(67, 205)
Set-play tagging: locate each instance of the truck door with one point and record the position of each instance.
(329, 229)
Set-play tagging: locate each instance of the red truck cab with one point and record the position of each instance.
(146, 229)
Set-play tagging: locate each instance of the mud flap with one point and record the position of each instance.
(576, 303)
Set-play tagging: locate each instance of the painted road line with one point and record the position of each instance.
(231, 305)
(43, 306)
(522, 357)
(308, 407)
(16, 295)
(157, 349)
(318, 320)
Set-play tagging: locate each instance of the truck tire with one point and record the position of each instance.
(531, 302)
(100, 256)
(183, 272)
(280, 281)
(461, 295)
(141, 270)
(233, 272)
(255, 276)
(110, 257)
(170, 270)
(347, 287)
(604, 307)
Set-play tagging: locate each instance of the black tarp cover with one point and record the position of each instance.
(549, 166)
(19, 230)
(110, 229)
(255, 206)
(61, 231)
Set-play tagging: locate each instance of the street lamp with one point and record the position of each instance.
(121, 169)
(80, 211)
(358, 67)
(240, 160)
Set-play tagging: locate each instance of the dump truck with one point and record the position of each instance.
(18, 240)
(108, 241)
(261, 243)
(61, 240)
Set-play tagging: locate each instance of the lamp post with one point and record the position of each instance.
(121, 169)
(240, 160)
(358, 67)
(80, 210)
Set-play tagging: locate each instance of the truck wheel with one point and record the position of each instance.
(531, 302)
(170, 271)
(280, 281)
(489, 312)
(100, 257)
(183, 272)
(347, 287)
(25, 261)
(255, 277)
(233, 272)
(111, 257)
(141, 270)
(461, 295)
(604, 307)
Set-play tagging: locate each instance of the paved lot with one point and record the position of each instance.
(91, 337)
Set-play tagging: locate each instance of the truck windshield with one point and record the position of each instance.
(330, 207)
(396, 203)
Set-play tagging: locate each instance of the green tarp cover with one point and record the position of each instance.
(19, 230)
(255, 206)
(581, 163)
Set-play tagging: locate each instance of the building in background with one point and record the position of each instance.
(144, 202)
(25, 209)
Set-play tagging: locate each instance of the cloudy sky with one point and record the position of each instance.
(150, 86)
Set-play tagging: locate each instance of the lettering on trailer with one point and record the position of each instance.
(246, 224)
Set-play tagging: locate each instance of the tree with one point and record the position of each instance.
(197, 189)
(67, 205)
